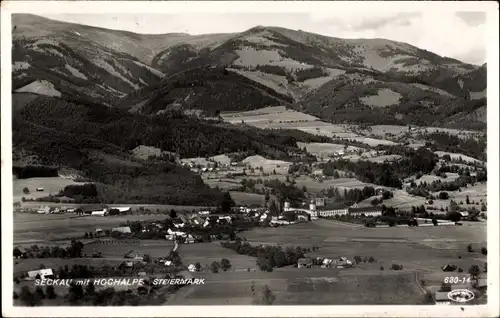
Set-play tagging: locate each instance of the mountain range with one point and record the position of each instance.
(88, 94)
(331, 78)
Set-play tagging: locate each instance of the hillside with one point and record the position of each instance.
(99, 142)
(373, 97)
(332, 78)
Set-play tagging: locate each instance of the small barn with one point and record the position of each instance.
(304, 262)
(41, 273)
(122, 229)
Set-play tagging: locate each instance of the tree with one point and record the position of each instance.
(428, 298)
(90, 289)
(146, 258)
(268, 297)
(50, 292)
(75, 293)
(467, 200)
(484, 251)
(454, 216)
(225, 264)
(371, 259)
(357, 259)
(39, 292)
(26, 190)
(273, 209)
(28, 298)
(173, 214)
(197, 266)
(474, 271)
(381, 268)
(214, 267)
(434, 221)
(469, 248)
(226, 202)
(443, 195)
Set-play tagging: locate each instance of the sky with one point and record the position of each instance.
(461, 35)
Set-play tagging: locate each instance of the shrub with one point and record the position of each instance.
(445, 287)
(460, 270)
(443, 195)
(214, 267)
(474, 271)
(225, 264)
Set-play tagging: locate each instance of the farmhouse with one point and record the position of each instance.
(40, 273)
(133, 255)
(441, 298)
(192, 268)
(43, 210)
(20, 252)
(189, 239)
(93, 209)
(176, 233)
(123, 209)
(123, 229)
(304, 262)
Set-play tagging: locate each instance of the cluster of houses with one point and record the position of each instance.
(322, 262)
(88, 209)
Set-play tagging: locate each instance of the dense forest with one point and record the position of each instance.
(97, 140)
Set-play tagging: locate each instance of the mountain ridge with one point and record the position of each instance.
(135, 71)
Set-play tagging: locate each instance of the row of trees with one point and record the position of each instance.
(74, 250)
(268, 257)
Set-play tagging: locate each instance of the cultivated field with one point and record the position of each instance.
(50, 185)
(457, 156)
(244, 198)
(341, 183)
(421, 248)
(429, 178)
(206, 253)
(34, 228)
(305, 287)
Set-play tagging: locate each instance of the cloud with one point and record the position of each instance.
(475, 56)
(375, 23)
(472, 19)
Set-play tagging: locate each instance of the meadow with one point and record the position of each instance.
(34, 228)
(305, 287)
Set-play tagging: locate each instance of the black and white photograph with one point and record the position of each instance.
(249, 154)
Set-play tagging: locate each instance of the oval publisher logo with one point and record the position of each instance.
(461, 295)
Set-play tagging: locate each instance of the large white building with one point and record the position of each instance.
(311, 211)
(329, 213)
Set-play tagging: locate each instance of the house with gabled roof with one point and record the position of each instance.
(133, 255)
